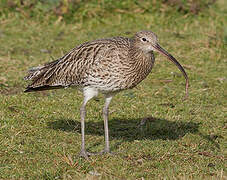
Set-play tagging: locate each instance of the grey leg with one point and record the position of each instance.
(106, 129)
(83, 153)
(105, 117)
(89, 93)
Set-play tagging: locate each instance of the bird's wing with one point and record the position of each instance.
(73, 68)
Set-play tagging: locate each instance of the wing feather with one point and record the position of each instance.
(72, 68)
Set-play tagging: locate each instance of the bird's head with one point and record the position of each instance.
(147, 41)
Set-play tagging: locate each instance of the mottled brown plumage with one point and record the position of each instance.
(106, 65)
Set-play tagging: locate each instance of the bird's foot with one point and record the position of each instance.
(86, 154)
(105, 151)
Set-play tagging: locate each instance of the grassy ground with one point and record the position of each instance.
(40, 132)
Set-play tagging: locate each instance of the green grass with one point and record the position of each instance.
(40, 132)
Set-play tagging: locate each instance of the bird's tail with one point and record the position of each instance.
(33, 73)
(41, 88)
(40, 76)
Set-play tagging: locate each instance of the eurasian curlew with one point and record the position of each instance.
(107, 66)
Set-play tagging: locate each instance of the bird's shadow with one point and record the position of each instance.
(134, 129)
(131, 129)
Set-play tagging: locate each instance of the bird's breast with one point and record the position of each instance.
(140, 69)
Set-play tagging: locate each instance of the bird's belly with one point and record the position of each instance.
(105, 85)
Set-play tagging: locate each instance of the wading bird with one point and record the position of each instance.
(105, 66)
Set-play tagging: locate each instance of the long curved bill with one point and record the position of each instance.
(171, 58)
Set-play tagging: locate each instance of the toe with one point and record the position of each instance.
(84, 154)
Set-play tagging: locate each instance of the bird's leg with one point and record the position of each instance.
(105, 117)
(89, 93)
(83, 152)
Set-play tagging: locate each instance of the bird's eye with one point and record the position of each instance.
(144, 39)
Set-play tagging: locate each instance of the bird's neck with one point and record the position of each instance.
(139, 58)
(140, 64)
